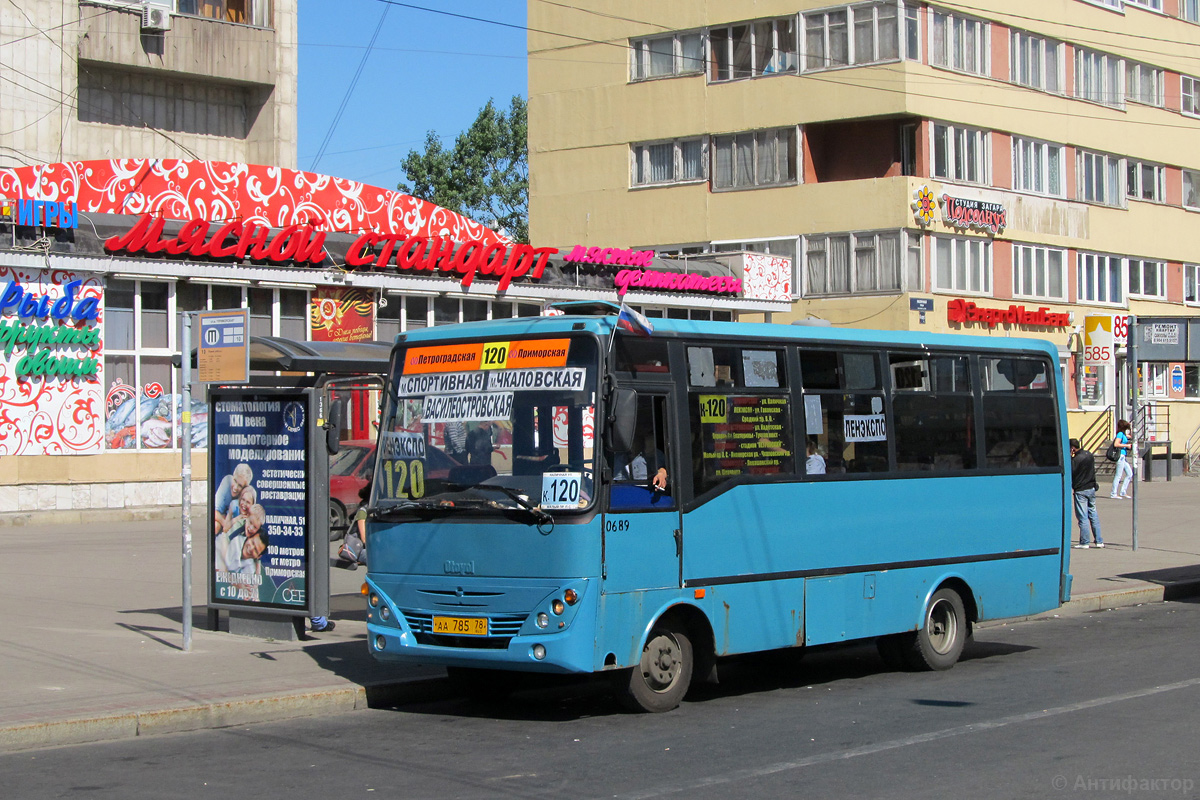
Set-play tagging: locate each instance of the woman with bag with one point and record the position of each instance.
(1122, 443)
(354, 547)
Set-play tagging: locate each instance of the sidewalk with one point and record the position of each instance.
(91, 648)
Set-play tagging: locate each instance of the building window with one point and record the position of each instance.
(1189, 10)
(959, 43)
(1099, 279)
(1037, 167)
(1117, 4)
(912, 33)
(1099, 178)
(246, 12)
(826, 39)
(960, 154)
(666, 56)
(1039, 272)
(853, 263)
(962, 265)
(136, 100)
(751, 49)
(1191, 96)
(1036, 62)
(1143, 84)
(1147, 279)
(1191, 189)
(1153, 5)
(678, 161)
(1146, 181)
(1098, 78)
(876, 37)
(749, 160)
(1191, 284)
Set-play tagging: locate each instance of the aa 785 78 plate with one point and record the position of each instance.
(461, 626)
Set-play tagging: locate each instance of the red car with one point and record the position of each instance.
(351, 469)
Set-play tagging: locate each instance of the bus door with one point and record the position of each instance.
(642, 534)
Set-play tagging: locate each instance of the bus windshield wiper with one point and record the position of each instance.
(411, 507)
(541, 517)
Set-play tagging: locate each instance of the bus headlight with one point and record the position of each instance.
(571, 596)
(539, 652)
(380, 643)
(557, 606)
(385, 613)
(373, 599)
(543, 619)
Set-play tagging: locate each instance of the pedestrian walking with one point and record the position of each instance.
(1123, 442)
(1084, 486)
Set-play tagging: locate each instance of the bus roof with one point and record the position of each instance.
(776, 333)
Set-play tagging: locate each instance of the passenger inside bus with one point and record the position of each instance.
(640, 478)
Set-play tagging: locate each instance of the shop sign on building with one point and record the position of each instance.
(766, 277)
(959, 212)
(961, 311)
(51, 362)
(1098, 340)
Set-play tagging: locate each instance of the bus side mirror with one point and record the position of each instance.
(622, 419)
(333, 427)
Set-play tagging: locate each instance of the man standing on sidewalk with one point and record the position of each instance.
(1083, 485)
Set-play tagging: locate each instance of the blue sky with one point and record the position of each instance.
(425, 72)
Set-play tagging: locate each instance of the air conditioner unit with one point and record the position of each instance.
(156, 18)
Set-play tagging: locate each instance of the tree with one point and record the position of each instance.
(485, 176)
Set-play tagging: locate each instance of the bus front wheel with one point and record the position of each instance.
(661, 679)
(939, 642)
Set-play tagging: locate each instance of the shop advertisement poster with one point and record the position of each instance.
(51, 362)
(258, 464)
(343, 315)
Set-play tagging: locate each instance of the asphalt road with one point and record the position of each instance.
(1098, 705)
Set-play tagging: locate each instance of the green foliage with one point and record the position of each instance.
(485, 176)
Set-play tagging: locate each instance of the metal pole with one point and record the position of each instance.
(1134, 451)
(186, 474)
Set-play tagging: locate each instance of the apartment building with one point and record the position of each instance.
(186, 79)
(999, 169)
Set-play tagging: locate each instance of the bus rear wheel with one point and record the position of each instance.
(939, 642)
(662, 677)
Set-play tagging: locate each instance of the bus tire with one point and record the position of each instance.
(660, 681)
(940, 640)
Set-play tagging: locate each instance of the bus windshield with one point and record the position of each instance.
(503, 428)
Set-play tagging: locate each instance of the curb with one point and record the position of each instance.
(87, 516)
(221, 714)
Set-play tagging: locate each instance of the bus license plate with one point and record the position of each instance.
(461, 626)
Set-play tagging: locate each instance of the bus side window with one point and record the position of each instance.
(634, 470)
(844, 410)
(933, 412)
(1019, 413)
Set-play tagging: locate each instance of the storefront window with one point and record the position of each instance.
(445, 310)
(293, 312)
(260, 302)
(1094, 387)
(475, 310)
(118, 315)
(416, 312)
(154, 314)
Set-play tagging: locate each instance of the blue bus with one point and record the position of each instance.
(642, 505)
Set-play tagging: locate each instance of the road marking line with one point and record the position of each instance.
(870, 749)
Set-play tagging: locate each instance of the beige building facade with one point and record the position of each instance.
(187, 79)
(997, 169)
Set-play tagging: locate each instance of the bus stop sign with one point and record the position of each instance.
(223, 352)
